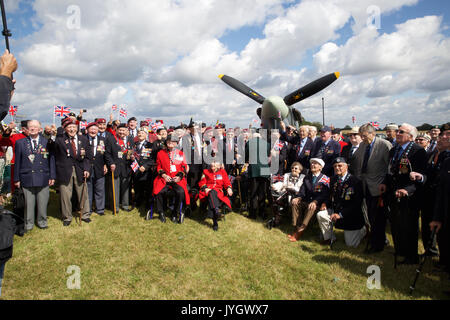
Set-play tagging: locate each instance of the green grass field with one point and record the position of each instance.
(126, 257)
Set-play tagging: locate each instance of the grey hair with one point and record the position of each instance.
(366, 128)
(308, 128)
(412, 130)
(313, 128)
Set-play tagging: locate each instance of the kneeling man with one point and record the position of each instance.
(346, 197)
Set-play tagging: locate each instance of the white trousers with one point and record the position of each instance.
(352, 237)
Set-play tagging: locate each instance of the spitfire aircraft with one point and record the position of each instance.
(275, 109)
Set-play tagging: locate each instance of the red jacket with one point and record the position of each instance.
(11, 141)
(215, 181)
(165, 162)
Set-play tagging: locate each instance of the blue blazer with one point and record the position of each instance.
(34, 169)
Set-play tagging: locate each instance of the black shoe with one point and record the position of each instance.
(181, 219)
(270, 224)
(87, 220)
(66, 223)
(43, 228)
(215, 227)
(101, 213)
(162, 217)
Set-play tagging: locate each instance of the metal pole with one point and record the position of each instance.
(323, 111)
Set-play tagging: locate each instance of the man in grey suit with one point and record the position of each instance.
(374, 167)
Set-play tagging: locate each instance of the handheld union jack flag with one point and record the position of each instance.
(12, 110)
(353, 119)
(156, 126)
(61, 111)
(277, 178)
(114, 107)
(278, 145)
(135, 166)
(375, 124)
(325, 180)
(123, 112)
(83, 124)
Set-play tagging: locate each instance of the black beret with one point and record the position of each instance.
(339, 160)
(445, 127)
(131, 119)
(122, 125)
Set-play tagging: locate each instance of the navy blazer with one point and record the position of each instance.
(347, 200)
(33, 169)
(99, 160)
(65, 159)
(319, 191)
(329, 153)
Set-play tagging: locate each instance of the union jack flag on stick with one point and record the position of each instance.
(114, 107)
(123, 112)
(61, 111)
(325, 180)
(135, 166)
(13, 110)
(375, 124)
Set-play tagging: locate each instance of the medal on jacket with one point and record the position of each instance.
(404, 166)
(31, 157)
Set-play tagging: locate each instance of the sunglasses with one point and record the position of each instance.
(420, 139)
(402, 132)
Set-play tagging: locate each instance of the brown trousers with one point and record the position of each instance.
(66, 191)
(301, 214)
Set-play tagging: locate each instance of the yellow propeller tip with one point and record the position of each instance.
(337, 74)
(221, 76)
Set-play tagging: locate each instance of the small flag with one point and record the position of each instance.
(61, 111)
(13, 110)
(278, 145)
(135, 166)
(277, 178)
(353, 119)
(149, 120)
(83, 124)
(375, 124)
(123, 112)
(325, 180)
(114, 107)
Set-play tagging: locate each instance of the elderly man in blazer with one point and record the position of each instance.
(35, 173)
(353, 154)
(374, 168)
(72, 156)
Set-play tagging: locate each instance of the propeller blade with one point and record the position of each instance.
(239, 86)
(311, 89)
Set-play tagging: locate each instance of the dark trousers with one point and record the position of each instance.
(377, 219)
(178, 193)
(258, 191)
(405, 227)
(143, 190)
(96, 190)
(426, 214)
(443, 239)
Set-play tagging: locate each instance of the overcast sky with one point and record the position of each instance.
(161, 59)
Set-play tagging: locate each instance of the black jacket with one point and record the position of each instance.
(10, 224)
(6, 87)
(346, 199)
(319, 191)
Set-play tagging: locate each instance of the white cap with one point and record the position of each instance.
(318, 160)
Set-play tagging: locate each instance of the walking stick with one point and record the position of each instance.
(114, 192)
(332, 235)
(424, 258)
(239, 189)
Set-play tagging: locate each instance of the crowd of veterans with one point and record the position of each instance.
(358, 183)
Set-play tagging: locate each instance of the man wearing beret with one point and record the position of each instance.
(72, 156)
(96, 181)
(119, 162)
(132, 127)
(326, 149)
(344, 210)
(434, 134)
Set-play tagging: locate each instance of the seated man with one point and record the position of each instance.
(312, 196)
(345, 210)
(283, 191)
(171, 168)
(212, 184)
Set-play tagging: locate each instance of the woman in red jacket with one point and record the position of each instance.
(212, 185)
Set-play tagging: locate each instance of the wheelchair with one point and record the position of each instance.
(168, 204)
(280, 207)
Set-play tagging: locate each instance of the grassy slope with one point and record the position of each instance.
(126, 257)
